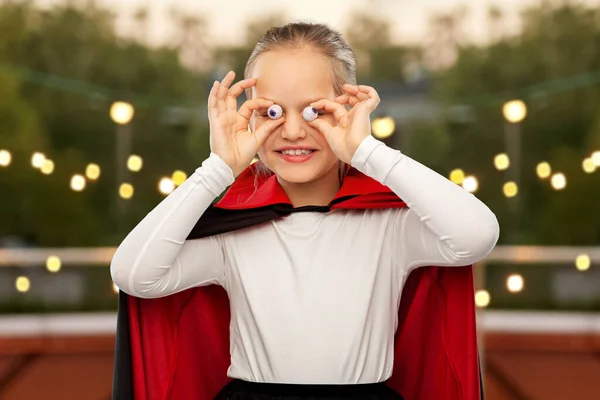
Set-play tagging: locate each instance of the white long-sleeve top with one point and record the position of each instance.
(314, 296)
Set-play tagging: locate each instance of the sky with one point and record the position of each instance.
(227, 18)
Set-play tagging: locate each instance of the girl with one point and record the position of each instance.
(313, 295)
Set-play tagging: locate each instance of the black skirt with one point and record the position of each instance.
(242, 390)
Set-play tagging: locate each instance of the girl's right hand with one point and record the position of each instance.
(230, 137)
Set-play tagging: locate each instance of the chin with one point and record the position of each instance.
(296, 174)
(304, 172)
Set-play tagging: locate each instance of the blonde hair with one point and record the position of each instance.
(319, 37)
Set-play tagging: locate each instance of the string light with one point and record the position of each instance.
(482, 298)
(588, 166)
(5, 158)
(457, 176)
(510, 189)
(166, 186)
(53, 264)
(22, 284)
(501, 161)
(77, 183)
(134, 163)
(558, 181)
(543, 170)
(596, 158)
(583, 262)
(126, 190)
(92, 171)
(514, 111)
(178, 177)
(37, 160)
(383, 127)
(515, 283)
(121, 112)
(48, 167)
(470, 184)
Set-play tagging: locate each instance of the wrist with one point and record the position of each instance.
(363, 150)
(220, 173)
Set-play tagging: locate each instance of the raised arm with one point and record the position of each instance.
(445, 225)
(155, 260)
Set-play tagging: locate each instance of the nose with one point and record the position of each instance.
(294, 127)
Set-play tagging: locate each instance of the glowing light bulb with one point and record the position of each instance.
(515, 283)
(457, 176)
(121, 112)
(510, 189)
(470, 184)
(166, 186)
(53, 264)
(37, 160)
(5, 158)
(514, 111)
(482, 298)
(48, 167)
(134, 163)
(583, 262)
(77, 183)
(126, 190)
(558, 181)
(501, 162)
(383, 127)
(92, 171)
(596, 158)
(543, 170)
(178, 177)
(22, 284)
(588, 166)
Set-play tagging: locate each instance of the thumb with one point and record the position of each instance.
(265, 130)
(321, 125)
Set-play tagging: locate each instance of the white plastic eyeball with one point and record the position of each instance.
(275, 111)
(310, 114)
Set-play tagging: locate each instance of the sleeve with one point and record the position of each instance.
(155, 259)
(444, 224)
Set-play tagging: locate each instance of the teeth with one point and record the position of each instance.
(297, 152)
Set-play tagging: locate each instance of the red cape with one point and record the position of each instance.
(177, 347)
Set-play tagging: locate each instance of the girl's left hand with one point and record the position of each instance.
(353, 125)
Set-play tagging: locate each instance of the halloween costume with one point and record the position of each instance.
(356, 305)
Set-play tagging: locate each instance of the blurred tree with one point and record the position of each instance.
(378, 58)
(72, 117)
(555, 43)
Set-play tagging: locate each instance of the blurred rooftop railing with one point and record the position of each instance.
(54, 280)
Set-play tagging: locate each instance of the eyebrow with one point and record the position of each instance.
(312, 100)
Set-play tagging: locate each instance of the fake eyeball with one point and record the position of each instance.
(275, 111)
(310, 114)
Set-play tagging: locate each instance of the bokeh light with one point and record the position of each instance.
(92, 171)
(515, 283)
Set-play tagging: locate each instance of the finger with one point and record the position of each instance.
(338, 111)
(212, 96)
(252, 105)
(347, 99)
(224, 87)
(354, 90)
(268, 127)
(242, 85)
(322, 126)
(373, 96)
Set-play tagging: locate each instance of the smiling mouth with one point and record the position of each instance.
(296, 152)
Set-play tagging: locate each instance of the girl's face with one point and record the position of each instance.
(293, 79)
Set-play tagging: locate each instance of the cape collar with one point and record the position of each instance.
(250, 190)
